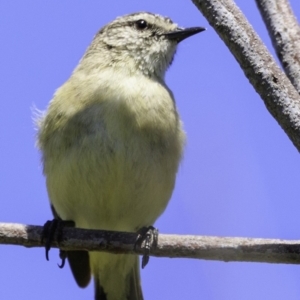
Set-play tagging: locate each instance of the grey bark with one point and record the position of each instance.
(275, 89)
(284, 32)
(173, 246)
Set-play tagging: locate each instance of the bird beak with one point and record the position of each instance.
(182, 33)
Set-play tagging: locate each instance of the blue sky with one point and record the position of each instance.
(239, 176)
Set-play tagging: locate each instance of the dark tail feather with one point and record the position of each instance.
(79, 262)
(99, 292)
(80, 265)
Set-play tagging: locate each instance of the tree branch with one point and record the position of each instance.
(200, 247)
(284, 32)
(277, 92)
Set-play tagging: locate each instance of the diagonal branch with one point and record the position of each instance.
(284, 32)
(277, 92)
(187, 246)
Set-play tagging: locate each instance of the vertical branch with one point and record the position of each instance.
(275, 89)
(284, 32)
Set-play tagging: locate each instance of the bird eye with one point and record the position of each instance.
(141, 24)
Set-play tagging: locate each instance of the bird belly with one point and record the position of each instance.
(111, 191)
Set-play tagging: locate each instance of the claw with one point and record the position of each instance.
(150, 236)
(63, 256)
(48, 234)
(50, 229)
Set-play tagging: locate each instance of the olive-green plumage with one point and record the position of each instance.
(111, 141)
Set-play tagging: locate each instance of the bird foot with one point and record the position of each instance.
(149, 235)
(51, 230)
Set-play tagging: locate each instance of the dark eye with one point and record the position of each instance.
(141, 24)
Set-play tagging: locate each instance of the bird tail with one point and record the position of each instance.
(116, 276)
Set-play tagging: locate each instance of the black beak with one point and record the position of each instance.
(182, 33)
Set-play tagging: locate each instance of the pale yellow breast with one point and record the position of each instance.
(111, 155)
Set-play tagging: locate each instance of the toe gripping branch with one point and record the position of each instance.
(148, 235)
(53, 230)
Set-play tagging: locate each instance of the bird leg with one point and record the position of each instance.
(52, 228)
(148, 235)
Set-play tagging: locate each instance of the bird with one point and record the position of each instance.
(111, 142)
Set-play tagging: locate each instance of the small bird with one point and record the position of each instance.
(111, 142)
